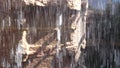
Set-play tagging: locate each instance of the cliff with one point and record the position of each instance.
(41, 19)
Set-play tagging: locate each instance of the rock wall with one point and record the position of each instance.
(39, 18)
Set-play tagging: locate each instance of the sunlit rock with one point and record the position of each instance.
(72, 4)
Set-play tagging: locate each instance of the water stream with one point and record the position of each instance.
(59, 24)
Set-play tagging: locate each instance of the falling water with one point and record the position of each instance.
(103, 31)
(18, 56)
(59, 23)
(3, 24)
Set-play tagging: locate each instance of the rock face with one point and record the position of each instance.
(69, 3)
(39, 17)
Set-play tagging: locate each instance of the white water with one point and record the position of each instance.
(59, 23)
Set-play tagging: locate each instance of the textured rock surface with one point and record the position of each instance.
(72, 4)
(40, 17)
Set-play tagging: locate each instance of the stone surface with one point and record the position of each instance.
(37, 14)
(72, 4)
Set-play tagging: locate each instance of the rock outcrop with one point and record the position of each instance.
(40, 18)
(72, 4)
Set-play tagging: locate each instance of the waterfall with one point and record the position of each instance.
(99, 26)
(59, 24)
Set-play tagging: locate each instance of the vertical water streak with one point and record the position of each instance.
(12, 56)
(18, 56)
(9, 21)
(8, 65)
(117, 58)
(3, 24)
(59, 23)
(12, 53)
(20, 20)
(3, 64)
